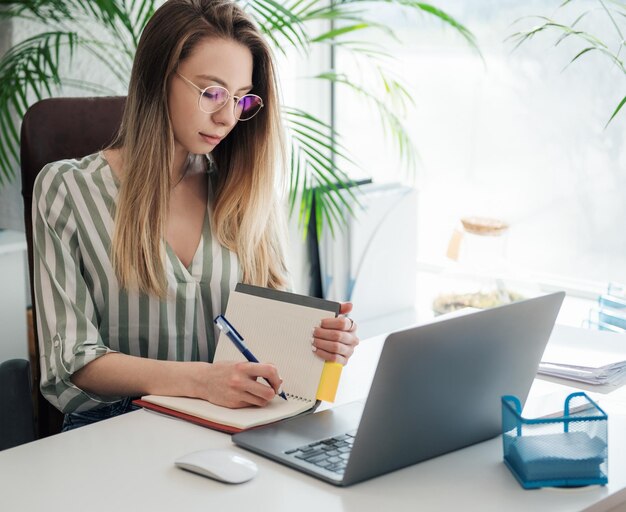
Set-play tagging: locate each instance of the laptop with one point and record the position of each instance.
(437, 388)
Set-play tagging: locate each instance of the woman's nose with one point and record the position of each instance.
(225, 115)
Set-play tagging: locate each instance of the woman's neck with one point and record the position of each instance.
(180, 165)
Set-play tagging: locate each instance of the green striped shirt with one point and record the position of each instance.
(83, 314)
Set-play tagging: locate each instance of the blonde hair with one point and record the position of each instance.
(246, 217)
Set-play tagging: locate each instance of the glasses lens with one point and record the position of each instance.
(248, 106)
(213, 98)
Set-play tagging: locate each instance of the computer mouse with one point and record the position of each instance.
(220, 464)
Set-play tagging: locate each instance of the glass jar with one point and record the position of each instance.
(476, 274)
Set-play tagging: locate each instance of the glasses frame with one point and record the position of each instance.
(230, 96)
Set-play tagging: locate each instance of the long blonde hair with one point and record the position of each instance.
(246, 217)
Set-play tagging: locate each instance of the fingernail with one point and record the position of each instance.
(313, 348)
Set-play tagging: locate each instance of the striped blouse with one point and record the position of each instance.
(83, 314)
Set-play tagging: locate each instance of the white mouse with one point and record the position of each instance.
(223, 465)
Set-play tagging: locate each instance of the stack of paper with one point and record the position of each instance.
(585, 355)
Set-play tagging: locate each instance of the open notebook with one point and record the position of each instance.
(277, 327)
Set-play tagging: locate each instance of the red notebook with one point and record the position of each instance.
(187, 417)
(224, 419)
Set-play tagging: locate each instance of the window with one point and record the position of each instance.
(516, 138)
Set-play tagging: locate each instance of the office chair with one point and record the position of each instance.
(54, 129)
(17, 422)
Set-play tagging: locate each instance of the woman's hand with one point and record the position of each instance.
(235, 385)
(336, 338)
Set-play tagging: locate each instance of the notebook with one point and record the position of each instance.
(277, 327)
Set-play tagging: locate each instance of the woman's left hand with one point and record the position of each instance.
(336, 338)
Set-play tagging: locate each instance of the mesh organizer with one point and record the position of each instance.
(568, 451)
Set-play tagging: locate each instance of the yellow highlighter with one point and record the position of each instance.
(329, 381)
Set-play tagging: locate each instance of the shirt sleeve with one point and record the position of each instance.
(66, 315)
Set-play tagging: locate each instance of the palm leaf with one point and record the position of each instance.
(424, 8)
(445, 18)
(388, 116)
(306, 127)
(142, 11)
(29, 68)
(614, 23)
(45, 11)
(618, 62)
(338, 32)
(592, 43)
(275, 19)
(365, 48)
(619, 107)
(314, 153)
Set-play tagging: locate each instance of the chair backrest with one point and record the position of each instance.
(17, 423)
(54, 129)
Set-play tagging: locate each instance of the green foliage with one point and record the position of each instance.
(33, 69)
(615, 14)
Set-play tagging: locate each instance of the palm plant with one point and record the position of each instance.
(615, 14)
(38, 66)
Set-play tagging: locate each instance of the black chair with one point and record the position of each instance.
(54, 129)
(17, 422)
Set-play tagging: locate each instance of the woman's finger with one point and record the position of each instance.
(345, 308)
(341, 323)
(331, 356)
(333, 347)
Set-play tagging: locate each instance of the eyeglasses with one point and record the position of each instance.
(215, 97)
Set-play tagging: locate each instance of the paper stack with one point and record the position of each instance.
(585, 355)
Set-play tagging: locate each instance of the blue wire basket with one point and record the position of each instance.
(568, 451)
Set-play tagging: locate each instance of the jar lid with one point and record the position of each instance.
(484, 226)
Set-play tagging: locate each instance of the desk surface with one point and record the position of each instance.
(127, 463)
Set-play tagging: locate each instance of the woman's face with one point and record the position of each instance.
(212, 62)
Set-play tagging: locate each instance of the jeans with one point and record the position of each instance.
(74, 420)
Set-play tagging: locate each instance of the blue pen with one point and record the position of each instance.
(227, 328)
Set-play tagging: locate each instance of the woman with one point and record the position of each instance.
(138, 246)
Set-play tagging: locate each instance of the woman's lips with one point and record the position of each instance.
(211, 139)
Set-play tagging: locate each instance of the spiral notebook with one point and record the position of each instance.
(277, 327)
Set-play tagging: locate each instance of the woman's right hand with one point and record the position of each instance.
(235, 384)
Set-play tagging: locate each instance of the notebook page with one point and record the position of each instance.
(243, 418)
(279, 333)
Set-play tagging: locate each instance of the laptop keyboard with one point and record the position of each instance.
(331, 454)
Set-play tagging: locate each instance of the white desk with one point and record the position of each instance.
(126, 463)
